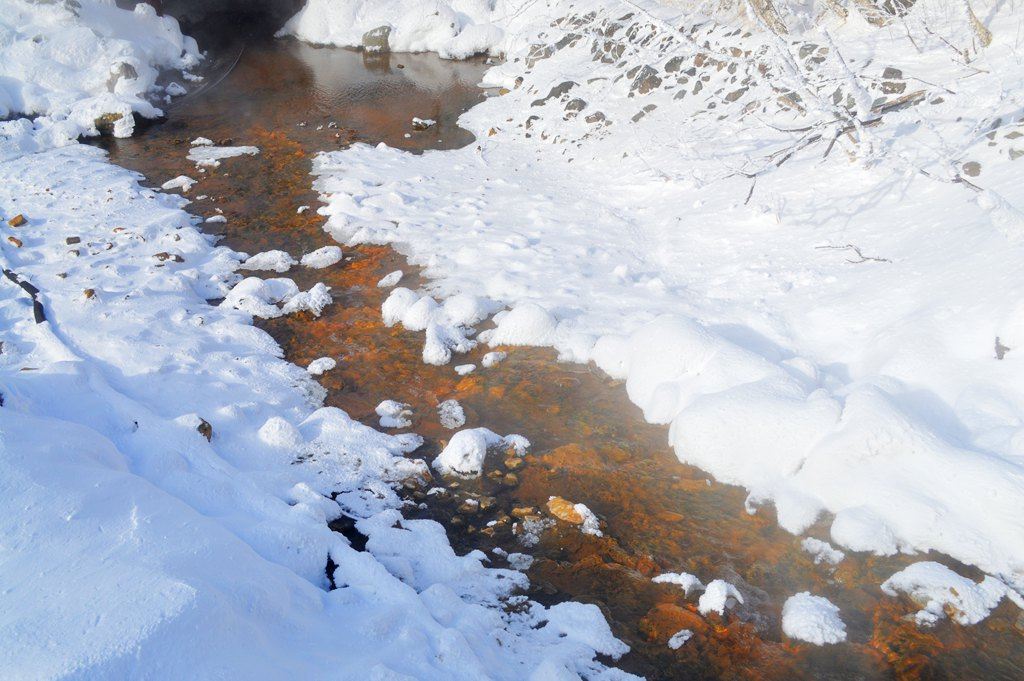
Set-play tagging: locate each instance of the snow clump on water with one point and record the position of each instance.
(813, 619)
(465, 453)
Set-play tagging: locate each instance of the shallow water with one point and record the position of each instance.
(590, 444)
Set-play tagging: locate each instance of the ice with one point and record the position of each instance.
(813, 619)
(208, 156)
(679, 638)
(322, 257)
(717, 597)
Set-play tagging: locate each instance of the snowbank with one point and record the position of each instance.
(812, 305)
(85, 65)
(455, 29)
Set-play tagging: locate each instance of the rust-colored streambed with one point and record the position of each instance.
(590, 444)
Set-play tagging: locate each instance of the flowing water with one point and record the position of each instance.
(590, 444)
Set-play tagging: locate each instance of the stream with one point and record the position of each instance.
(589, 443)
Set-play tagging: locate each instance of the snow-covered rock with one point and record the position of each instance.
(813, 619)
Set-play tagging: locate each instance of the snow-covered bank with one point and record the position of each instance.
(799, 252)
(87, 64)
(454, 30)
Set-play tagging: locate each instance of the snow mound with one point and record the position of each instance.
(684, 580)
(454, 30)
(322, 257)
(394, 414)
(717, 596)
(813, 619)
(451, 414)
(77, 63)
(465, 453)
(275, 261)
(322, 365)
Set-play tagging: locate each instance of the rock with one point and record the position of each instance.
(665, 619)
(17, 221)
(576, 104)
(564, 510)
(205, 429)
(376, 39)
(107, 123)
(16, 241)
(596, 117)
(469, 507)
(514, 463)
(121, 70)
(646, 79)
(556, 92)
(89, 293)
(893, 88)
(674, 64)
(510, 480)
(972, 169)
(890, 73)
(523, 511)
(487, 503)
(72, 240)
(173, 257)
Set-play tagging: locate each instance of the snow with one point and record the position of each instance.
(394, 414)
(679, 638)
(447, 325)
(73, 63)
(673, 247)
(940, 591)
(465, 369)
(684, 580)
(455, 29)
(389, 280)
(465, 453)
(319, 367)
(208, 156)
(813, 619)
(591, 524)
(169, 508)
(822, 551)
(451, 414)
(182, 182)
(275, 261)
(215, 219)
(493, 359)
(717, 596)
(322, 257)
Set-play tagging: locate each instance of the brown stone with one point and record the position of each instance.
(17, 221)
(564, 510)
(89, 293)
(665, 619)
(173, 257)
(16, 241)
(72, 240)
(205, 429)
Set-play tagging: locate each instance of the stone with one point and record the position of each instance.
(972, 169)
(523, 511)
(646, 79)
(377, 39)
(173, 257)
(16, 241)
(89, 293)
(555, 92)
(510, 480)
(72, 240)
(576, 104)
(514, 463)
(205, 429)
(17, 221)
(564, 510)
(665, 619)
